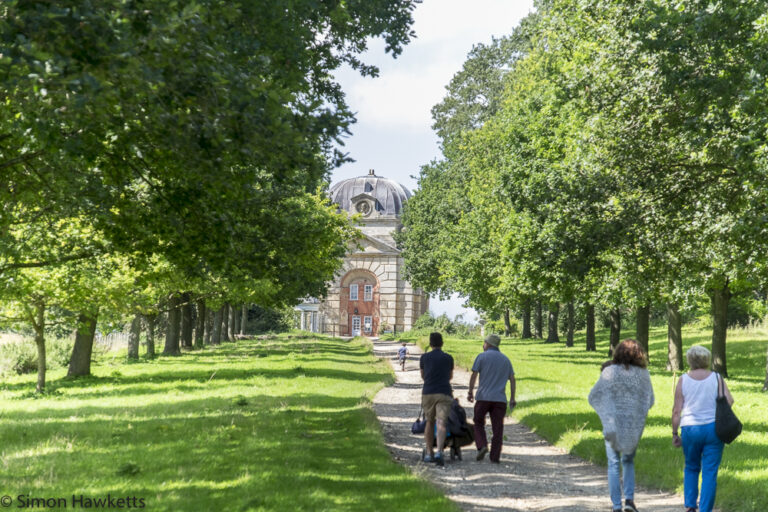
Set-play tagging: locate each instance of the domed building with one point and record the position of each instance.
(368, 296)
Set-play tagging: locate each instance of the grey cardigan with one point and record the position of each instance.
(622, 397)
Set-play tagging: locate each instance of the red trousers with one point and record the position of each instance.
(497, 411)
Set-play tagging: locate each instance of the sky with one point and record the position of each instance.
(393, 134)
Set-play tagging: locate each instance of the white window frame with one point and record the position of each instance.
(353, 293)
(368, 324)
(356, 320)
(368, 292)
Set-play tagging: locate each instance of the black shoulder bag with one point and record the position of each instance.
(727, 425)
(420, 425)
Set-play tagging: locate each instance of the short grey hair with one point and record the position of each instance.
(698, 357)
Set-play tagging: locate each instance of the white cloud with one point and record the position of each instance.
(398, 99)
(473, 21)
(407, 88)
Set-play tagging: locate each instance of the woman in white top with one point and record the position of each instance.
(694, 411)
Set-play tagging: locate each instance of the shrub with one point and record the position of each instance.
(262, 320)
(456, 327)
(58, 352)
(20, 355)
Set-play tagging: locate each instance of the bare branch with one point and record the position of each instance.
(20, 159)
(46, 263)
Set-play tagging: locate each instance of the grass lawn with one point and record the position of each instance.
(276, 424)
(553, 383)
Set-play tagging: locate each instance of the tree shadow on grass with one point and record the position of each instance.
(296, 457)
(191, 364)
(139, 384)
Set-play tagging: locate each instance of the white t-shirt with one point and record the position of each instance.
(699, 400)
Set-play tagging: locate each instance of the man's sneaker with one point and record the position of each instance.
(428, 458)
(481, 453)
(629, 506)
(439, 459)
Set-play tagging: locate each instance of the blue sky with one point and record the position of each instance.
(393, 133)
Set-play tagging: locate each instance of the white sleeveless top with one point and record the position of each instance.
(698, 400)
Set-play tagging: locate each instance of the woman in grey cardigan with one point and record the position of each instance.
(622, 397)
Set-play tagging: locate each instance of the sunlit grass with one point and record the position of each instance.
(554, 381)
(274, 424)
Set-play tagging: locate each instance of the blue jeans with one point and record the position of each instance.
(703, 452)
(626, 461)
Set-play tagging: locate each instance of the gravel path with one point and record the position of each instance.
(533, 475)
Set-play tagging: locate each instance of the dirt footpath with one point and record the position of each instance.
(532, 476)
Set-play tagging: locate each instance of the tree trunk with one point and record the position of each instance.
(39, 326)
(225, 322)
(507, 324)
(642, 325)
(231, 322)
(202, 315)
(186, 320)
(527, 322)
(151, 321)
(238, 319)
(571, 325)
(720, 299)
(552, 335)
(174, 327)
(217, 324)
(244, 319)
(80, 361)
(591, 343)
(538, 322)
(674, 339)
(208, 325)
(133, 337)
(765, 384)
(615, 330)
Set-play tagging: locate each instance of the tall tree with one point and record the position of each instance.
(80, 361)
(553, 316)
(642, 325)
(590, 327)
(527, 321)
(201, 315)
(173, 329)
(186, 319)
(674, 338)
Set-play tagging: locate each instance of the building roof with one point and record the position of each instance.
(387, 196)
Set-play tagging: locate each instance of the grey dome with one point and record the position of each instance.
(385, 196)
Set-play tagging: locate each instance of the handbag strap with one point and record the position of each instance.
(720, 392)
(421, 410)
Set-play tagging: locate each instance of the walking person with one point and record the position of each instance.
(495, 369)
(436, 396)
(694, 411)
(622, 397)
(402, 355)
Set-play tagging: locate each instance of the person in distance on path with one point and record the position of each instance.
(436, 395)
(402, 354)
(495, 370)
(622, 397)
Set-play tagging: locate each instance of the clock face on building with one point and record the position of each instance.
(364, 208)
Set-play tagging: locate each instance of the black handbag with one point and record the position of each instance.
(727, 425)
(420, 425)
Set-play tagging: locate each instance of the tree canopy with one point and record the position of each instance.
(186, 142)
(620, 161)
